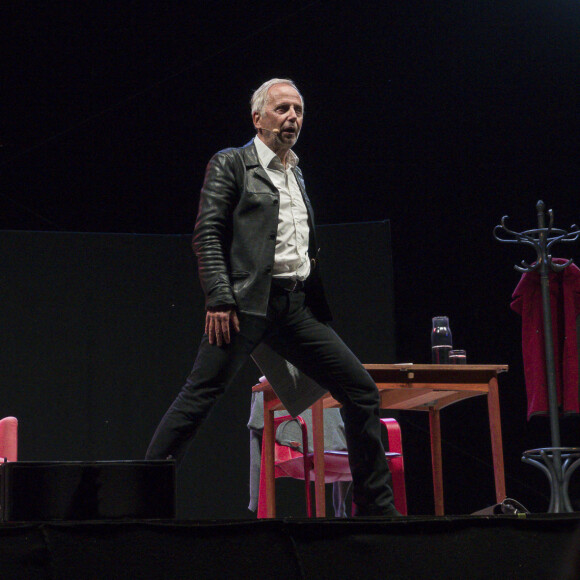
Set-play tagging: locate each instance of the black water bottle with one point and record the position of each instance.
(441, 342)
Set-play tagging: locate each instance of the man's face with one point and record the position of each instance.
(284, 112)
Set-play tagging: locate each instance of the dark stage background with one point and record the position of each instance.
(441, 117)
(100, 331)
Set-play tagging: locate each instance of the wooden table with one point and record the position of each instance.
(408, 387)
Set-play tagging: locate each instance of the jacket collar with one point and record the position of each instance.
(250, 155)
(253, 166)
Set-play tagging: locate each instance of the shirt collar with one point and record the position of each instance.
(266, 155)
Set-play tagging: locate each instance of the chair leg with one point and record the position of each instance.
(269, 438)
(397, 464)
(307, 489)
(307, 468)
(267, 490)
(262, 496)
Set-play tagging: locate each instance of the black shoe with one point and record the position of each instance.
(375, 511)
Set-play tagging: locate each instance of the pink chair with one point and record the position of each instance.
(8, 439)
(290, 462)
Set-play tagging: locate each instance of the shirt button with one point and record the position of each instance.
(274, 202)
(268, 269)
(272, 236)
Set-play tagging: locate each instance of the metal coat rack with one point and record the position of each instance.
(557, 462)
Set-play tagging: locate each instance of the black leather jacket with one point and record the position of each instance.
(235, 234)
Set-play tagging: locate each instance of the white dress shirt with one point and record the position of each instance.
(291, 259)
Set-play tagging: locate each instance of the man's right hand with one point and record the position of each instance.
(219, 322)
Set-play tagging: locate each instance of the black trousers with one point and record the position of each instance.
(313, 347)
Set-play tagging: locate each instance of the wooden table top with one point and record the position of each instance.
(423, 387)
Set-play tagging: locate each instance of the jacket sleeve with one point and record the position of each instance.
(213, 230)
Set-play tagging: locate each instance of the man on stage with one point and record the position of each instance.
(256, 249)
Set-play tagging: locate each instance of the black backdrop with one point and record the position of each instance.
(440, 116)
(100, 330)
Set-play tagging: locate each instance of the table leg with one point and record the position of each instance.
(436, 461)
(496, 441)
(269, 436)
(318, 442)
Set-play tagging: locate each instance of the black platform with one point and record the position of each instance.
(86, 490)
(507, 547)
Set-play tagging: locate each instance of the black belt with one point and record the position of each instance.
(288, 284)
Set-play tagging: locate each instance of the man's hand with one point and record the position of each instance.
(218, 324)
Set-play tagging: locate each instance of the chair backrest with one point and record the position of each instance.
(9, 439)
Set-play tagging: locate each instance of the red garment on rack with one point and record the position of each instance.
(565, 306)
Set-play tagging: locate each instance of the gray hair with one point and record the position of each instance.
(260, 96)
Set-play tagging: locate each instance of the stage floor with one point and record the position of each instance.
(471, 547)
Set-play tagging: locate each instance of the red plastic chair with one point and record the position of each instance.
(8, 439)
(290, 462)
